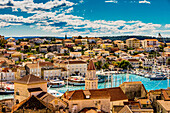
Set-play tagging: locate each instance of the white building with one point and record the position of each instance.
(7, 74)
(75, 66)
(75, 54)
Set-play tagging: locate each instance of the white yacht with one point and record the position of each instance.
(55, 93)
(56, 83)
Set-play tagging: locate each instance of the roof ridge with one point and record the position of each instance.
(28, 79)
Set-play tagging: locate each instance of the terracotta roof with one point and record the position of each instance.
(140, 49)
(164, 104)
(90, 110)
(41, 64)
(137, 82)
(75, 52)
(125, 109)
(48, 97)
(76, 62)
(38, 103)
(151, 39)
(133, 60)
(144, 101)
(30, 79)
(45, 64)
(113, 94)
(116, 93)
(95, 94)
(91, 66)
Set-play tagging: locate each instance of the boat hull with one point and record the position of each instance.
(6, 92)
(158, 78)
(56, 86)
(76, 83)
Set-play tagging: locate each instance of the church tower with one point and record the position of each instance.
(91, 80)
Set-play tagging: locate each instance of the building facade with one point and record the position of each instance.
(91, 80)
(133, 43)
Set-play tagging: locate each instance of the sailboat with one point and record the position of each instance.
(158, 75)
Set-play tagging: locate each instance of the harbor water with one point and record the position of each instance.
(117, 80)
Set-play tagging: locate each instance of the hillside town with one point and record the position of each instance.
(31, 68)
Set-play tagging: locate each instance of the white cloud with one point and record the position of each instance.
(167, 26)
(62, 21)
(30, 7)
(144, 2)
(111, 1)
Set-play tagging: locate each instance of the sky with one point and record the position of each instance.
(84, 17)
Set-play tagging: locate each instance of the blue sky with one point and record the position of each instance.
(84, 17)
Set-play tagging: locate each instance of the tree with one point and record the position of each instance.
(115, 63)
(125, 64)
(161, 48)
(2, 43)
(52, 61)
(71, 49)
(79, 37)
(168, 61)
(130, 48)
(98, 64)
(16, 62)
(105, 66)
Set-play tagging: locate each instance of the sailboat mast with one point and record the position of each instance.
(67, 74)
(1, 80)
(168, 79)
(127, 75)
(108, 79)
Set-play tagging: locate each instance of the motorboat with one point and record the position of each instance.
(76, 81)
(56, 83)
(7, 88)
(147, 75)
(55, 93)
(158, 77)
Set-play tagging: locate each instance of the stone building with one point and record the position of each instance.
(28, 85)
(91, 80)
(133, 43)
(160, 100)
(74, 66)
(30, 95)
(100, 99)
(35, 68)
(133, 89)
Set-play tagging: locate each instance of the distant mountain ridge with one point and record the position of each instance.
(166, 39)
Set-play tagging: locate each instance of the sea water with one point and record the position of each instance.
(117, 80)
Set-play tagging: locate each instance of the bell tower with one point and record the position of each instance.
(91, 80)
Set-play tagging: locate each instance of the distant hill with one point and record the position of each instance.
(30, 37)
(167, 39)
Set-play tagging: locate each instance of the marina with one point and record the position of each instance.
(119, 78)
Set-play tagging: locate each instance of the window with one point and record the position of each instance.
(17, 93)
(17, 101)
(87, 96)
